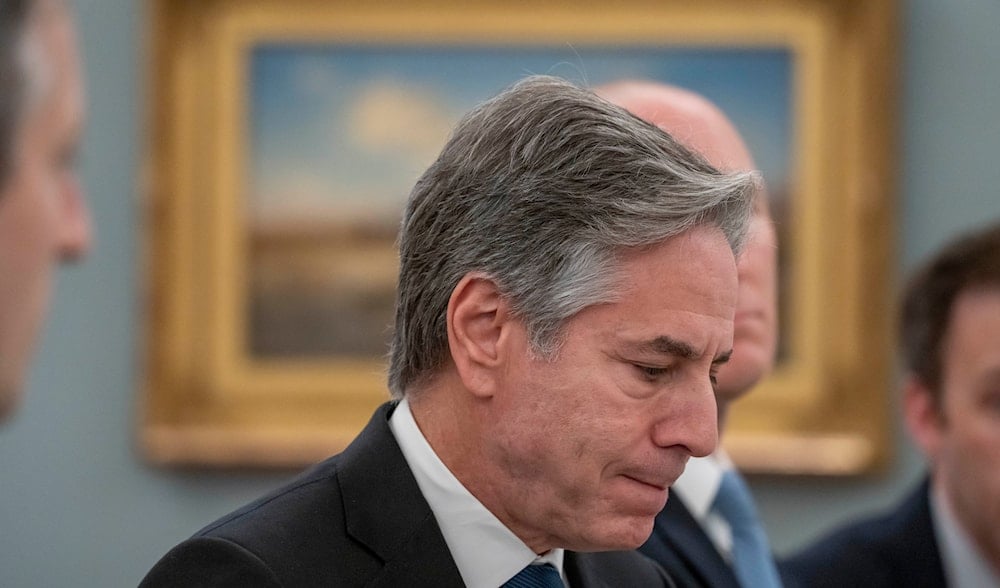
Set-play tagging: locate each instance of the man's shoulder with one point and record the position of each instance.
(310, 498)
(325, 527)
(295, 527)
(879, 550)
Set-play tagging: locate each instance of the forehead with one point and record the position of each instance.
(55, 112)
(972, 340)
(51, 56)
(683, 288)
(697, 259)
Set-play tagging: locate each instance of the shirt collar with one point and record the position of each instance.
(485, 551)
(964, 565)
(700, 482)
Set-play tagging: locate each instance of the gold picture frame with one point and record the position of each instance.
(209, 398)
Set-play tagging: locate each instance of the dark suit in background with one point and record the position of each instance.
(896, 549)
(356, 519)
(680, 545)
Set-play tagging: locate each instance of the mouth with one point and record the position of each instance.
(646, 496)
(650, 483)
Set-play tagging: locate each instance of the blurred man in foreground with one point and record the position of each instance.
(43, 219)
(566, 294)
(947, 532)
(695, 537)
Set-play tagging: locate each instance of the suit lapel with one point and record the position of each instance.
(681, 534)
(918, 558)
(385, 511)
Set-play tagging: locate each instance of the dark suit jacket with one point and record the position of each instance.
(356, 519)
(897, 549)
(680, 545)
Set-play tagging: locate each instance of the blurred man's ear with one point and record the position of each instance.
(923, 416)
(478, 321)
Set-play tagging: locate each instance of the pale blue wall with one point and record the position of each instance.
(79, 508)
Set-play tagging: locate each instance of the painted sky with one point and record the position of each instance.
(341, 132)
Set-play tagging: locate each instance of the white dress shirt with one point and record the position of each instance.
(485, 551)
(964, 565)
(697, 488)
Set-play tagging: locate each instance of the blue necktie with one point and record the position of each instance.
(752, 560)
(536, 576)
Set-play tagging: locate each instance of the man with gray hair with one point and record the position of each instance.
(42, 215)
(566, 294)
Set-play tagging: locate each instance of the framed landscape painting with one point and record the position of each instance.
(285, 137)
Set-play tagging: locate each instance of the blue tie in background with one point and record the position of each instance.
(538, 576)
(752, 560)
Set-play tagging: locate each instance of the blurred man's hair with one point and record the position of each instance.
(14, 19)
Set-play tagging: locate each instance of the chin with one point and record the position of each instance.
(625, 535)
(734, 387)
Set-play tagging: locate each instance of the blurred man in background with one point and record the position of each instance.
(708, 534)
(947, 532)
(43, 219)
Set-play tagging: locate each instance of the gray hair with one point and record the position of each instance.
(541, 188)
(25, 74)
(14, 17)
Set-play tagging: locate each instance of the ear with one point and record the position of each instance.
(923, 417)
(478, 321)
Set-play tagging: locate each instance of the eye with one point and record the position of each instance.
(651, 373)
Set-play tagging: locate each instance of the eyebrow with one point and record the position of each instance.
(670, 346)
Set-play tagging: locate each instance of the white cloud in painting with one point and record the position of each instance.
(298, 193)
(406, 121)
(292, 193)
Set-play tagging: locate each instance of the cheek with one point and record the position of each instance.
(27, 227)
(986, 454)
(971, 463)
(572, 418)
(756, 310)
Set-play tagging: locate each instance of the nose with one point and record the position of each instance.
(691, 423)
(75, 235)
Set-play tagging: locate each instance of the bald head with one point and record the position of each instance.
(701, 126)
(691, 118)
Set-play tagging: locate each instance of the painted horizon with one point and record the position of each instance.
(339, 134)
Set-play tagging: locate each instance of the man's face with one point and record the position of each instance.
(701, 126)
(590, 440)
(42, 215)
(756, 325)
(966, 451)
